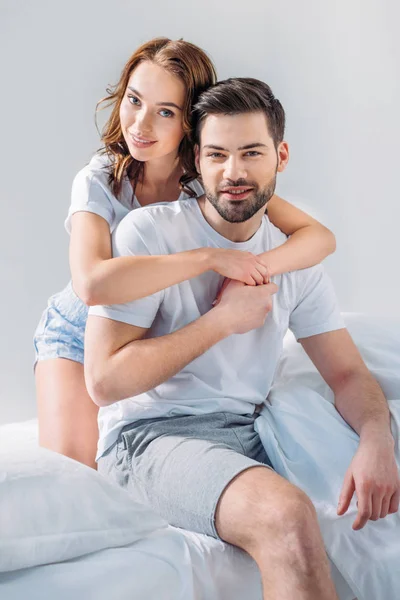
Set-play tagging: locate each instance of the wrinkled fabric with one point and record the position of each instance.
(311, 445)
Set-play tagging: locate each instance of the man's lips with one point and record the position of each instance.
(236, 193)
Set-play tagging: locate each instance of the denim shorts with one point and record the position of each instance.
(61, 329)
(181, 465)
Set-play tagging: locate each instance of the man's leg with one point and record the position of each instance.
(205, 473)
(275, 522)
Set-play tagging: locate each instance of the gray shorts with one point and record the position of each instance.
(181, 465)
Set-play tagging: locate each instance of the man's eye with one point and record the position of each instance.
(252, 153)
(133, 99)
(164, 112)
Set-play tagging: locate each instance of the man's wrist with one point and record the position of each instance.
(376, 432)
(221, 320)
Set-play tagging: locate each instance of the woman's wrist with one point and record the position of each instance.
(210, 258)
(268, 263)
(206, 258)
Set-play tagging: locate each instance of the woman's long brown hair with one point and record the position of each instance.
(194, 68)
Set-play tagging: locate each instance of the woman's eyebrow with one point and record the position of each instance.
(158, 103)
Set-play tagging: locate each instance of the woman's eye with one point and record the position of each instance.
(215, 155)
(164, 112)
(133, 100)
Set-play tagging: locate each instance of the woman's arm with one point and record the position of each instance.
(309, 244)
(100, 279)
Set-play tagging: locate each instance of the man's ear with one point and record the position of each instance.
(197, 158)
(283, 156)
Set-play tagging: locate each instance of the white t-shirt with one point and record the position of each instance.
(235, 374)
(91, 192)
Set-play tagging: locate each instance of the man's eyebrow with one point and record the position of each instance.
(246, 147)
(158, 103)
(213, 147)
(255, 145)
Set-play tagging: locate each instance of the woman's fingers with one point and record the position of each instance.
(257, 276)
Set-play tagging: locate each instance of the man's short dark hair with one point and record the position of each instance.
(240, 95)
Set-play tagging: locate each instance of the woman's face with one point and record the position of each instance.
(151, 112)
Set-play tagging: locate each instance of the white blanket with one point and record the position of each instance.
(168, 564)
(310, 444)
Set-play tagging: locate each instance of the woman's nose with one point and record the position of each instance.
(144, 121)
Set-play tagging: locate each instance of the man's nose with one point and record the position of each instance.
(234, 169)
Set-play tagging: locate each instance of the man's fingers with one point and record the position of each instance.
(221, 291)
(394, 503)
(385, 507)
(346, 494)
(376, 506)
(364, 510)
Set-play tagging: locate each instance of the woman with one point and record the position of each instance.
(147, 157)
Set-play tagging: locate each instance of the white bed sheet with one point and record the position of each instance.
(150, 568)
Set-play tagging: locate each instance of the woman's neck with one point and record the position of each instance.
(160, 181)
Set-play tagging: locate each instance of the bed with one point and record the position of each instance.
(66, 532)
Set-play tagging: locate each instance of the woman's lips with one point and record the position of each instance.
(140, 142)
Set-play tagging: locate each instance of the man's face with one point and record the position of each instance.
(238, 163)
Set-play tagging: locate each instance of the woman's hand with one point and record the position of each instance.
(240, 266)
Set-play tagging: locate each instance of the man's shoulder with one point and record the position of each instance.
(157, 213)
(152, 224)
(274, 237)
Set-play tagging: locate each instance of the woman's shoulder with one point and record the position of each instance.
(97, 169)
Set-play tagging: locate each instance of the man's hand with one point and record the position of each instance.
(374, 477)
(245, 307)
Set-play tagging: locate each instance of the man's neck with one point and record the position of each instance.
(235, 232)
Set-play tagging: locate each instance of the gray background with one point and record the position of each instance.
(334, 65)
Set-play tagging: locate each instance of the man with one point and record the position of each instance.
(179, 387)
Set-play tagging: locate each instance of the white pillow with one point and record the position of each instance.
(53, 508)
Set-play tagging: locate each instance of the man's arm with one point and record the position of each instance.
(120, 362)
(358, 396)
(373, 473)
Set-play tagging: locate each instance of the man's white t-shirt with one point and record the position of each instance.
(235, 374)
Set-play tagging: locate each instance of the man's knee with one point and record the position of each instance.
(259, 509)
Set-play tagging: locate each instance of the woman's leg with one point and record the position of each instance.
(67, 415)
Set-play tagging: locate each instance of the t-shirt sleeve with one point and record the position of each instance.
(134, 236)
(90, 193)
(316, 308)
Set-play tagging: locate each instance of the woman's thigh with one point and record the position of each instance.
(67, 415)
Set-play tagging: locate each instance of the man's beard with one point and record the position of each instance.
(239, 211)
